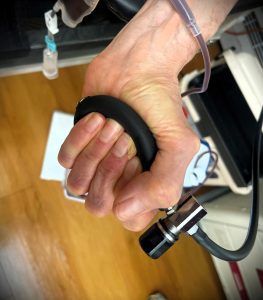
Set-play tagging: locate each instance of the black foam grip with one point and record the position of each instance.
(132, 123)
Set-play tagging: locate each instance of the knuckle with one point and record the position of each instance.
(91, 155)
(77, 184)
(117, 213)
(167, 194)
(104, 170)
(108, 168)
(96, 151)
(120, 214)
(96, 205)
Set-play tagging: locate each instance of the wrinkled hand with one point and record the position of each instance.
(140, 67)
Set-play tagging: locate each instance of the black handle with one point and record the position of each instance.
(132, 123)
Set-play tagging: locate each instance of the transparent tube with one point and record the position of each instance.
(187, 16)
(207, 67)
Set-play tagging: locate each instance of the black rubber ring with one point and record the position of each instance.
(132, 123)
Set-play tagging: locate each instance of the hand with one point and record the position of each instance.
(140, 67)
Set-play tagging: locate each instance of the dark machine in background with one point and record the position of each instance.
(22, 31)
(226, 117)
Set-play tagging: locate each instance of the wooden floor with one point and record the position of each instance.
(50, 247)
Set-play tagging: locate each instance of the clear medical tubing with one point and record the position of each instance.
(186, 14)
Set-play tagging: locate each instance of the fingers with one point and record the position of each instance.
(81, 134)
(98, 155)
(88, 160)
(161, 187)
(101, 192)
(132, 169)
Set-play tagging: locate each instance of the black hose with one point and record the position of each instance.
(201, 237)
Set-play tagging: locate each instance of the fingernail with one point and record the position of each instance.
(129, 209)
(133, 167)
(93, 122)
(132, 151)
(109, 131)
(121, 146)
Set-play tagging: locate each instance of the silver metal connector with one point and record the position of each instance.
(188, 214)
(163, 234)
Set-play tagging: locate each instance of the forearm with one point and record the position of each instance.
(155, 45)
(146, 57)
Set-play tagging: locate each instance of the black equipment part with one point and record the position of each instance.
(132, 123)
(154, 242)
(235, 255)
(159, 238)
(126, 9)
(226, 117)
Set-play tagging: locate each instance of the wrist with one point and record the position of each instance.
(153, 47)
(163, 16)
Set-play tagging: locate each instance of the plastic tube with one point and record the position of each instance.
(187, 16)
(207, 67)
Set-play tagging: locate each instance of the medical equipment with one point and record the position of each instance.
(184, 217)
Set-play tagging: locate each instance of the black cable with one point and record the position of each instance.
(201, 237)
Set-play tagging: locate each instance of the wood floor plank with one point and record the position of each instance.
(61, 252)
(50, 247)
(14, 175)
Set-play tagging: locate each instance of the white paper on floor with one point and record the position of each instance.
(60, 127)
